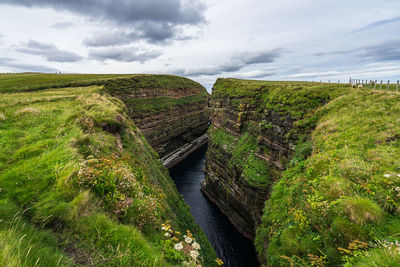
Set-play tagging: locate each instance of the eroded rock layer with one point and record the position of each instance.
(254, 129)
(170, 111)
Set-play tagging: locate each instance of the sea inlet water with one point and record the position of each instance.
(233, 248)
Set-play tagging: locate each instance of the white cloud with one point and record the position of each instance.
(205, 39)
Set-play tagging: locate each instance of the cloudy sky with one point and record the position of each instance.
(204, 39)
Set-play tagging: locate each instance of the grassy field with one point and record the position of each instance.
(79, 184)
(38, 81)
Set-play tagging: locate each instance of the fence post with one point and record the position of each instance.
(397, 88)
(338, 81)
(388, 84)
(375, 83)
(380, 88)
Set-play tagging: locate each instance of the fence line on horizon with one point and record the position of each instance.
(375, 84)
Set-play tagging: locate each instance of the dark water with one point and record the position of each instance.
(233, 248)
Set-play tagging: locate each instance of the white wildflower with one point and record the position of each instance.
(387, 175)
(178, 246)
(188, 240)
(164, 228)
(167, 234)
(398, 175)
(196, 245)
(194, 254)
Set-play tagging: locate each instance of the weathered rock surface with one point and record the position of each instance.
(241, 201)
(170, 111)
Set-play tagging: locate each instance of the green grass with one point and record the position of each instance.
(242, 155)
(81, 185)
(39, 81)
(342, 183)
(36, 81)
(143, 107)
(340, 193)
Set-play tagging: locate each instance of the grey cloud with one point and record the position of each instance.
(123, 54)
(63, 25)
(322, 74)
(260, 56)
(378, 23)
(155, 33)
(48, 51)
(259, 73)
(236, 63)
(339, 52)
(110, 39)
(18, 66)
(388, 51)
(153, 20)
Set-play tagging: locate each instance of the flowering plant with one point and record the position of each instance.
(177, 250)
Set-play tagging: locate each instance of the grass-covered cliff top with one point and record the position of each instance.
(37, 81)
(79, 184)
(298, 99)
(338, 201)
(341, 204)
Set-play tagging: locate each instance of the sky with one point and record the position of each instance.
(308, 40)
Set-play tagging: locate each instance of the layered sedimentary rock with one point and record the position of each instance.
(252, 139)
(238, 196)
(170, 111)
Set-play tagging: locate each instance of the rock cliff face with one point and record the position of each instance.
(252, 139)
(170, 111)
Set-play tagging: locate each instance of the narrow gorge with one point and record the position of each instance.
(308, 172)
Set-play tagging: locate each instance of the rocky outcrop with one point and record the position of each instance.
(255, 127)
(170, 111)
(225, 184)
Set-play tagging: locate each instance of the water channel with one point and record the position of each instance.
(233, 248)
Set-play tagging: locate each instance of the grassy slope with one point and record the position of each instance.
(334, 195)
(144, 106)
(53, 142)
(37, 81)
(340, 195)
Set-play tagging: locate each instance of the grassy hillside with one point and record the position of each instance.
(338, 201)
(38, 81)
(79, 183)
(340, 204)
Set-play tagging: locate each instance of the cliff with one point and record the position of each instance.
(307, 169)
(79, 182)
(252, 138)
(170, 111)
